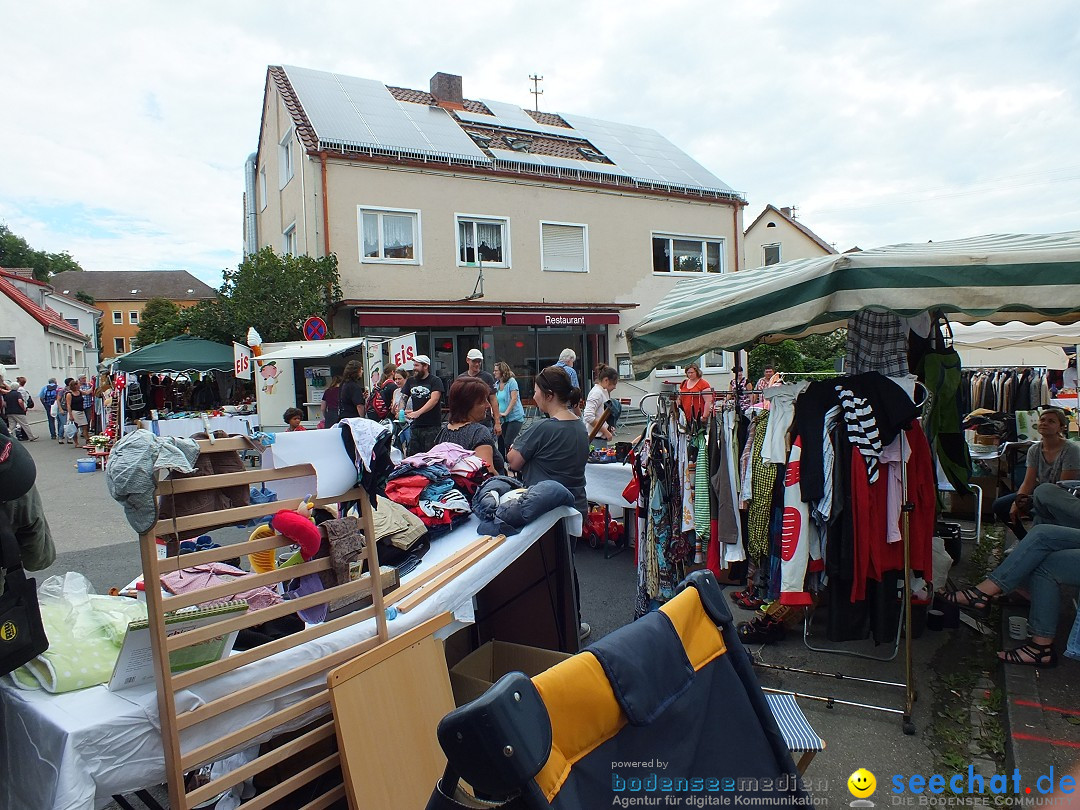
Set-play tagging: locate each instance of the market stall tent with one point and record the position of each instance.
(178, 354)
(997, 278)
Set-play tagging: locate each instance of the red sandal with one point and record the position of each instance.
(745, 594)
(750, 603)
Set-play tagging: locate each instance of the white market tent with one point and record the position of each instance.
(1015, 343)
(998, 278)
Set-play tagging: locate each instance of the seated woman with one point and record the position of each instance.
(599, 397)
(1051, 459)
(468, 408)
(1047, 557)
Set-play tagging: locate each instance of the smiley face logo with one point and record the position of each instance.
(862, 783)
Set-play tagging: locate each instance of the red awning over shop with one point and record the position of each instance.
(557, 318)
(423, 318)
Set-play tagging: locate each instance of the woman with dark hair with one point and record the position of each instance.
(383, 395)
(351, 399)
(468, 409)
(557, 448)
(331, 401)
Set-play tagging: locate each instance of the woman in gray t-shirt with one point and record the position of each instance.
(557, 448)
(1051, 459)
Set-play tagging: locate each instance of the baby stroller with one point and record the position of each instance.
(685, 720)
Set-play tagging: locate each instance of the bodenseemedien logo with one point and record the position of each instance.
(862, 784)
(8, 631)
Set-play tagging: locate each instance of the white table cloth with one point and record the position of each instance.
(74, 751)
(604, 483)
(186, 426)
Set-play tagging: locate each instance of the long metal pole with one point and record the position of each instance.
(905, 519)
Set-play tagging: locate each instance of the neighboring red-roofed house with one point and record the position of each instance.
(43, 333)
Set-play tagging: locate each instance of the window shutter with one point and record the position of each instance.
(564, 247)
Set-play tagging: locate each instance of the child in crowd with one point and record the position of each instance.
(293, 418)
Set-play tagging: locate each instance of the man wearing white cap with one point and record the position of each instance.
(425, 390)
(476, 369)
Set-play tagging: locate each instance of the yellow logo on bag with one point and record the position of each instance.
(8, 631)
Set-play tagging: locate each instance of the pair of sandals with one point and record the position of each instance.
(979, 604)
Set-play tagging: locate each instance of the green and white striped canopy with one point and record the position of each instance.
(997, 278)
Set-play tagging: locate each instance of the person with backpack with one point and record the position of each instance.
(48, 396)
(15, 406)
(383, 395)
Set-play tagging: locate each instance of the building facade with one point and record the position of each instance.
(775, 236)
(122, 294)
(43, 333)
(477, 224)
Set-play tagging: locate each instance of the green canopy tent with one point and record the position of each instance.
(183, 353)
(998, 278)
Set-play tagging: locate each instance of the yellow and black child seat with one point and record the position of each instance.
(665, 706)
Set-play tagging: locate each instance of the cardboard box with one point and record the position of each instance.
(478, 670)
(963, 506)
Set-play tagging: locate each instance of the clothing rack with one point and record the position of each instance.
(727, 396)
(903, 625)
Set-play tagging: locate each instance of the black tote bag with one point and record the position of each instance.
(22, 636)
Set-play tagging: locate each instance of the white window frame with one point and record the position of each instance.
(118, 349)
(585, 244)
(262, 188)
(779, 254)
(666, 372)
(117, 318)
(288, 240)
(286, 170)
(418, 256)
(720, 240)
(485, 219)
(133, 317)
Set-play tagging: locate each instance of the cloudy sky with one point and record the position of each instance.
(126, 124)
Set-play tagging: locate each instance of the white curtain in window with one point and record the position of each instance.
(397, 232)
(371, 236)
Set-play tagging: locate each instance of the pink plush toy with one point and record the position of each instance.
(300, 530)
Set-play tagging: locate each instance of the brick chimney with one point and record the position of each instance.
(446, 88)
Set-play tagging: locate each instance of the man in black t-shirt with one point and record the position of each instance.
(422, 395)
(476, 369)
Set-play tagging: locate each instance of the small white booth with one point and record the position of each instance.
(296, 373)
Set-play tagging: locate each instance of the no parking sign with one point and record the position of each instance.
(315, 328)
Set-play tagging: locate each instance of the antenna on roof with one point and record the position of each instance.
(536, 91)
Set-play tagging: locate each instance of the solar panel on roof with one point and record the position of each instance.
(362, 112)
(644, 153)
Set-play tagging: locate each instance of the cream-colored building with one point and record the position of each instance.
(478, 224)
(776, 236)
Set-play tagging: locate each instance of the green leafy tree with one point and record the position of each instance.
(812, 353)
(272, 292)
(160, 320)
(16, 252)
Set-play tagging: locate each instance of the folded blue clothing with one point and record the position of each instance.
(517, 511)
(433, 472)
(436, 489)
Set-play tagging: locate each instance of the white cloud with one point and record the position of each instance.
(127, 124)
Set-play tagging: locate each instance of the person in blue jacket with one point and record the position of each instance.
(48, 396)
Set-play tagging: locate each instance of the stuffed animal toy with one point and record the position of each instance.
(297, 526)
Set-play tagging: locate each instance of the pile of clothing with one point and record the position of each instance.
(436, 486)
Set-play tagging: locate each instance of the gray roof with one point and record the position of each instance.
(132, 285)
(362, 115)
